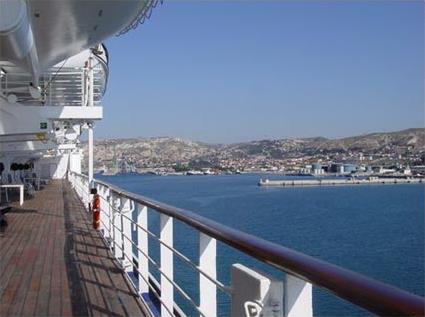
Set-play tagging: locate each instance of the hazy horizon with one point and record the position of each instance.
(228, 72)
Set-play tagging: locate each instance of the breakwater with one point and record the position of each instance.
(335, 182)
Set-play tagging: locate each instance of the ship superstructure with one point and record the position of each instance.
(53, 75)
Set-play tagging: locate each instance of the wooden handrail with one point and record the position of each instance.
(370, 294)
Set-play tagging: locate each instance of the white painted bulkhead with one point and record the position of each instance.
(58, 166)
(53, 74)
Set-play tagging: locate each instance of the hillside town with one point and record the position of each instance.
(396, 153)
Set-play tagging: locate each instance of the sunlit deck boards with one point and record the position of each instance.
(53, 263)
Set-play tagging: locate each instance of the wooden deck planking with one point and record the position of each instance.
(52, 263)
(12, 270)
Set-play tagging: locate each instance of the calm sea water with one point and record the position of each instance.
(377, 230)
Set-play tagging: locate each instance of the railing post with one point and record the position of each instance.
(86, 193)
(117, 238)
(255, 293)
(167, 291)
(298, 297)
(90, 155)
(207, 264)
(103, 192)
(110, 200)
(99, 190)
(142, 243)
(126, 235)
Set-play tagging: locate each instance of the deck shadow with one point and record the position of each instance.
(78, 300)
(17, 210)
(97, 284)
(52, 263)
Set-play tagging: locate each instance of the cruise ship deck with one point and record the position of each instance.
(53, 263)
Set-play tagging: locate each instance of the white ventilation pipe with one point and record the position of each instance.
(17, 43)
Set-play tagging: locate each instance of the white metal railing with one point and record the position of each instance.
(124, 213)
(81, 186)
(116, 226)
(60, 86)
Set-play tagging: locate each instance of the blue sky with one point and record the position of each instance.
(226, 72)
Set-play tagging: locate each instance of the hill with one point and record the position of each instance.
(166, 151)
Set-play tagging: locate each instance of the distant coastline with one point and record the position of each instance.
(380, 152)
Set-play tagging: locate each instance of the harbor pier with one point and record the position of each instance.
(336, 182)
